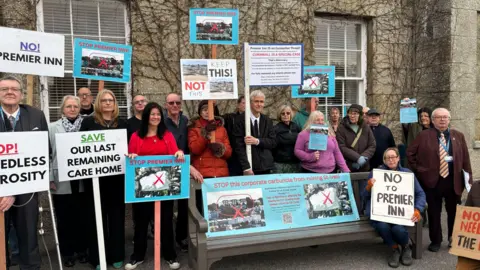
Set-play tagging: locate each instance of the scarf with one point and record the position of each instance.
(69, 127)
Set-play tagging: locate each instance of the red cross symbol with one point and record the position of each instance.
(159, 179)
(327, 198)
(237, 212)
(103, 63)
(214, 27)
(312, 83)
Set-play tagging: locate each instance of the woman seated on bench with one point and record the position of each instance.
(395, 236)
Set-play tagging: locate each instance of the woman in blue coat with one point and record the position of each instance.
(395, 236)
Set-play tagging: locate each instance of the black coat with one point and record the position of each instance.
(262, 157)
(234, 167)
(286, 138)
(384, 139)
(30, 119)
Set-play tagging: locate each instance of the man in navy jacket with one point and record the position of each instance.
(383, 137)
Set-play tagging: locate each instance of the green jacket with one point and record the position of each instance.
(300, 118)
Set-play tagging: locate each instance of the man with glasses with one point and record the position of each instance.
(133, 124)
(439, 158)
(86, 101)
(16, 117)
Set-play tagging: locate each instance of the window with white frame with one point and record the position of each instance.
(342, 43)
(104, 20)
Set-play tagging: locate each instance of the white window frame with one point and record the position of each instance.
(44, 96)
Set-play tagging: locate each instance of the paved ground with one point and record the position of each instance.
(369, 255)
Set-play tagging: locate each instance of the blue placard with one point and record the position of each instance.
(248, 204)
(156, 178)
(318, 137)
(103, 61)
(408, 111)
(214, 26)
(318, 81)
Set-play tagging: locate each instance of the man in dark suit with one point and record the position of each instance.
(24, 213)
(438, 156)
(262, 139)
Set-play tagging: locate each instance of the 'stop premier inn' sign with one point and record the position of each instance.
(31, 52)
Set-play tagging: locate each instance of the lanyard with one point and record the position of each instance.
(445, 147)
(14, 122)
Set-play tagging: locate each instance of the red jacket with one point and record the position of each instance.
(202, 158)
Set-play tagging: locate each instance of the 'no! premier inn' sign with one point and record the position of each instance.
(90, 154)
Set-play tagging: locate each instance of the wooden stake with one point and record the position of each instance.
(3, 259)
(157, 235)
(30, 90)
(101, 85)
(211, 111)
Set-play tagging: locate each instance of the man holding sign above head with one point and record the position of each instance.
(302, 115)
(439, 158)
(86, 101)
(262, 139)
(395, 236)
(133, 123)
(24, 213)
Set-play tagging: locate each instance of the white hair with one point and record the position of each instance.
(440, 109)
(67, 97)
(257, 93)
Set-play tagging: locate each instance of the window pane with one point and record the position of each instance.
(354, 37)
(321, 35)
(68, 53)
(354, 64)
(56, 16)
(337, 59)
(337, 36)
(351, 92)
(321, 57)
(85, 18)
(112, 19)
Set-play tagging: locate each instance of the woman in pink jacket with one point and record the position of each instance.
(314, 161)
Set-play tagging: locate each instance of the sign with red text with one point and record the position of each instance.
(32, 52)
(24, 162)
(157, 178)
(393, 197)
(466, 233)
(90, 154)
(209, 79)
(104, 61)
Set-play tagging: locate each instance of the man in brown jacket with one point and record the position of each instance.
(437, 156)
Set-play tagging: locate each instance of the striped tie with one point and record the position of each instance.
(443, 154)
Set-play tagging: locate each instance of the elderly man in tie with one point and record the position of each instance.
(439, 157)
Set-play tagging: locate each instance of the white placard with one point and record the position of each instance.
(393, 197)
(90, 154)
(23, 162)
(32, 52)
(209, 79)
(276, 64)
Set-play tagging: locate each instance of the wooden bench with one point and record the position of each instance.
(203, 251)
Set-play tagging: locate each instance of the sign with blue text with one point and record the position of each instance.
(318, 137)
(214, 26)
(318, 81)
(103, 61)
(408, 111)
(157, 178)
(248, 204)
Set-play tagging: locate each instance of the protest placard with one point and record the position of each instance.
(318, 138)
(209, 79)
(157, 178)
(24, 163)
(91, 154)
(214, 26)
(274, 64)
(247, 204)
(318, 81)
(466, 233)
(32, 52)
(105, 61)
(408, 111)
(393, 197)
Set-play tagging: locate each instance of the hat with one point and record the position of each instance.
(201, 105)
(372, 112)
(355, 107)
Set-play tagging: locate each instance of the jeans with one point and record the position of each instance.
(392, 234)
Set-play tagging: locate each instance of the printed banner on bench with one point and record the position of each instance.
(466, 233)
(157, 178)
(23, 162)
(247, 204)
(91, 154)
(393, 197)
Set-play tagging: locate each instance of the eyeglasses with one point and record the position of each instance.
(171, 103)
(84, 95)
(139, 102)
(107, 100)
(14, 89)
(285, 113)
(391, 157)
(442, 117)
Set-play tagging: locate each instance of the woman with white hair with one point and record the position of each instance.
(286, 133)
(68, 197)
(318, 161)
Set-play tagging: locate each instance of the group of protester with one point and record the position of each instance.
(357, 143)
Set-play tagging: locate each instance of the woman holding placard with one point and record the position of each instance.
(106, 116)
(68, 197)
(153, 139)
(318, 161)
(395, 236)
(286, 133)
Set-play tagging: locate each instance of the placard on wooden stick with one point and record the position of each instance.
(466, 233)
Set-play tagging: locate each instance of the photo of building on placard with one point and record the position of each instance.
(214, 28)
(410, 103)
(314, 84)
(327, 200)
(220, 88)
(157, 181)
(101, 63)
(235, 210)
(195, 70)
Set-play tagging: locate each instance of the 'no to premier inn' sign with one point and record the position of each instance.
(23, 163)
(31, 52)
(91, 154)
